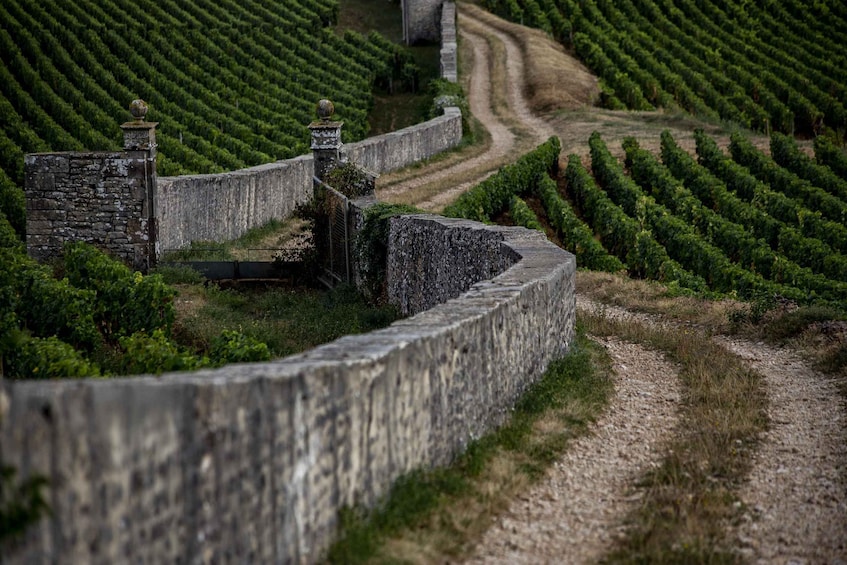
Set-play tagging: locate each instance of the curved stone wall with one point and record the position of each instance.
(251, 463)
(223, 206)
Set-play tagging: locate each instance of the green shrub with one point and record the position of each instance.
(235, 347)
(156, 354)
(47, 358)
(126, 302)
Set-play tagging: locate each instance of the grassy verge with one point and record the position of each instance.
(690, 498)
(430, 516)
(257, 244)
(288, 320)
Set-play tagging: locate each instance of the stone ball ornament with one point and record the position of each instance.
(138, 108)
(325, 109)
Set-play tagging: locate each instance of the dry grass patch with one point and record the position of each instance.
(691, 496)
(436, 516)
(654, 298)
(555, 80)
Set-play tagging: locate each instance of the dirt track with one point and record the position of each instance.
(795, 499)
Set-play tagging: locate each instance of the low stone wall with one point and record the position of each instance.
(99, 197)
(251, 463)
(404, 147)
(223, 206)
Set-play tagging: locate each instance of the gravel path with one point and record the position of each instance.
(573, 515)
(795, 504)
(795, 498)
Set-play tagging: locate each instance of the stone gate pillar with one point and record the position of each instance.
(106, 198)
(140, 137)
(326, 139)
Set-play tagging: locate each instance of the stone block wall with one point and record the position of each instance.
(221, 207)
(105, 198)
(421, 20)
(251, 463)
(449, 58)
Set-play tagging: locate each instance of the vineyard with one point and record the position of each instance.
(768, 66)
(742, 224)
(233, 84)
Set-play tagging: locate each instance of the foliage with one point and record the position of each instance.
(523, 215)
(68, 72)
(809, 223)
(154, 353)
(761, 65)
(126, 302)
(786, 239)
(235, 347)
(576, 236)
(46, 358)
(21, 505)
(372, 246)
(731, 238)
(350, 180)
(492, 195)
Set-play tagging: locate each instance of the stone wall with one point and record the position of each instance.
(251, 463)
(449, 57)
(222, 207)
(103, 198)
(421, 20)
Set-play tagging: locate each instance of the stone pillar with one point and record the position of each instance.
(140, 136)
(106, 198)
(326, 140)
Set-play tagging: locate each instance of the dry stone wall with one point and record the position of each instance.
(104, 198)
(224, 206)
(251, 463)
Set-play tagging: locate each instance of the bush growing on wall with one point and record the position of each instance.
(372, 246)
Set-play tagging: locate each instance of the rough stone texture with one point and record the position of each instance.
(409, 145)
(103, 198)
(449, 66)
(223, 206)
(420, 20)
(433, 259)
(250, 463)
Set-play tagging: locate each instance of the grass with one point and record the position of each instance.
(288, 320)
(257, 244)
(435, 515)
(690, 498)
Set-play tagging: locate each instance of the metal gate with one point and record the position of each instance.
(336, 261)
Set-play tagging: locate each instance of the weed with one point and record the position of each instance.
(440, 511)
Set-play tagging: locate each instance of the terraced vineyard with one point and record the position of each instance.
(768, 66)
(739, 224)
(231, 83)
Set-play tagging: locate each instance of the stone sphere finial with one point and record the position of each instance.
(138, 109)
(325, 110)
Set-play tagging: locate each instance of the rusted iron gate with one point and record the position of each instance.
(336, 248)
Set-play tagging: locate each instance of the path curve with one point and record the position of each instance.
(504, 141)
(795, 496)
(575, 513)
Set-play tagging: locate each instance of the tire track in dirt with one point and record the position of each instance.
(506, 143)
(575, 514)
